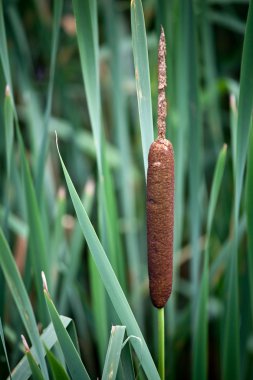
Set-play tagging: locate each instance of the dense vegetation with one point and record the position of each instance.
(82, 69)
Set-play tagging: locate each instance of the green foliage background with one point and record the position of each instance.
(88, 70)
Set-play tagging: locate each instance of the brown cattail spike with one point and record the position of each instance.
(162, 83)
(160, 199)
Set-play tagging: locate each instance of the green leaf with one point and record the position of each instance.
(4, 347)
(36, 236)
(72, 358)
(249, 213)
(44, 143)
(200, 342)
(48, 337)
(9, 130)
(3, 48)
(110, 280)
(36, 372)
(57, 369)
(113, 353)
(87, 37)
(21, 299)
(231, 354)
(245, 104)
(142, 78)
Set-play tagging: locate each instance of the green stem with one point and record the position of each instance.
(161, 357)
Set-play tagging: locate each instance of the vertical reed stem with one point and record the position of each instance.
(161, 344)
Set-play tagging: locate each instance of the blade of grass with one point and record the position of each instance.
(58, 371)
(86, 23)
(88, 48)
(21, 298)
(84, 141)
(113, 353)
(76, 246)
(231, 355)
(245, 104)
(249, 213)
(4, 347)
(48, 337)
(142, 78)
(71, 355)
(125, 171)
(58, 4)
(17, 225)
(200, 349)
(99, 308)
(110, 280)
(35, 370)
(195, 143)
(9, 130)
(3, 48)
(36, 236)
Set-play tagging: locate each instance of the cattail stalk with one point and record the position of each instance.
(160, 209)
(160, 198)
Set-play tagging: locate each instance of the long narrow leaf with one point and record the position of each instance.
(200, 353)
(58, 372)
(4, 347)
(245, 103)
(72, 358)
(113, 353)
(36, 236)
(48, 337)
(142, 78)
(9, 129)
(21, 298)
(249, 213)
(110, 280)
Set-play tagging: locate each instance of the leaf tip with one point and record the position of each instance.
(44, 281)
(7, 91)
(26, 346)
(90, 187)
(232, 103)
(61, 195)
(56, 141)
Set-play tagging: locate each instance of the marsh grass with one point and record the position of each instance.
(96, 85)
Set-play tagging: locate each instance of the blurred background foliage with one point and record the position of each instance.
(204, 53)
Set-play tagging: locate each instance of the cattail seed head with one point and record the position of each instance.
(160, 220)
(160, 198)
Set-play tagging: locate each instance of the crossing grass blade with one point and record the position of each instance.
(4, 347)
(113, 353)
(15, 224)
(142, 78)
(231, 355)
(110, 280)
(58, 371)
(21, 299)
(3, 49)
(9, 128)
(245, 104)
(120, 70)
(49, 339)
(249, 213)
(71, 355)
(58, 4)
(200, 349)
(35, 369)
(87, 38)
(99, 307)
(36, 235)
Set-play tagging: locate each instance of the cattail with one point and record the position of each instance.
(160, 198)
